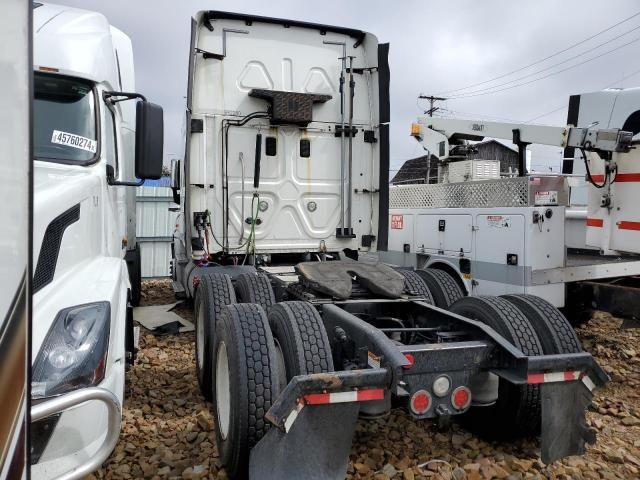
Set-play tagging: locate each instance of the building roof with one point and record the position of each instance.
(415, 170)
(486, 142)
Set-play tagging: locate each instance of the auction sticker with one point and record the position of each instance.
(397, 222)
(75, 141)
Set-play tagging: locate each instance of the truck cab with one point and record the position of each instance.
(91, 139)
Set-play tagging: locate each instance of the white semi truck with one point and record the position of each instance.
(530, 235)
(15, 172)
(93, 138)
(283, 198)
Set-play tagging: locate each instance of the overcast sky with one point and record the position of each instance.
(436, 46)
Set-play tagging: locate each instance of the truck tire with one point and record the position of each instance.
(553, 329)
(415, 285)
(443, 287)
(214, 291)
(255, 288)
(517, 411)
(301, 340)
(245, 383)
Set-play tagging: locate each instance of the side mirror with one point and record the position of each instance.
(149, 140)
(175, 180)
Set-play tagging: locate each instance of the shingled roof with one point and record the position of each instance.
(415, 171)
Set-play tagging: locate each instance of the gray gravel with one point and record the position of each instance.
(168, 429)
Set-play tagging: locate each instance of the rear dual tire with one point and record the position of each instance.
(415, 285)
(253, 365)
(214, 291)
(301, 340)
(535, 327)
(255, 288)
(245, 385)
(554, 330)
(517, 410)
(444, 289)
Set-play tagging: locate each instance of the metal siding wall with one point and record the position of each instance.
(154, 229)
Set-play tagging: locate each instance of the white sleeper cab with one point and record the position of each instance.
(91, 142)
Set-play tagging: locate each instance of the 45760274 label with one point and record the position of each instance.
(75, 141)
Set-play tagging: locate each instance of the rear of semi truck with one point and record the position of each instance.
(92, 140)
(299, 330)
(287, 144)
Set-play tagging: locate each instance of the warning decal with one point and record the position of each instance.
(497, 221)
(546, 198)
(397, 222)
(75, 141)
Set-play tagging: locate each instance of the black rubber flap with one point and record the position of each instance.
(564, 429)
(316, 448)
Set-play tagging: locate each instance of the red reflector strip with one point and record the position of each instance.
(344, 397)
(595, 222)
(570, 376)
(327, 398)
(619, 178)
(624, 225)
(628, 177)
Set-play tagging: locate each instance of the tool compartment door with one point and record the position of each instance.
(437, 233)
(498, 261)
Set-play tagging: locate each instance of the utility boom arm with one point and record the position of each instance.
(436, 134)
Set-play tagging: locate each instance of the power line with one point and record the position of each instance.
(551, 66)
(546, 58)
(550, 74)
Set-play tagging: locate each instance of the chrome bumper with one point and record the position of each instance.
(73, 399)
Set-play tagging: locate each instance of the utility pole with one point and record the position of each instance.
(432, 108)
(432, 101)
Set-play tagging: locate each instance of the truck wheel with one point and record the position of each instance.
(213, 293)
(301, 340)
(255, 288)
(415, 285)
(245, 384)
(517, 410)
(553, 329)
(443, 287)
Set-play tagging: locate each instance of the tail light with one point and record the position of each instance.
(410, 359)
(461, 398)
(420, 402)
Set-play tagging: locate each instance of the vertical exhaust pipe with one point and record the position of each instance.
(352, 86)
(340, 230)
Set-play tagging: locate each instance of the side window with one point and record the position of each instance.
(633, 123)
(111, 141)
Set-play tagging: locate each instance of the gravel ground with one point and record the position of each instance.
(168, 430)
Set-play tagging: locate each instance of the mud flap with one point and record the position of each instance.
(564, 428)
(316, 447)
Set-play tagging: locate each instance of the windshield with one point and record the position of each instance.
(64, 119)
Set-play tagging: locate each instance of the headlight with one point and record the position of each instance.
(74, 352)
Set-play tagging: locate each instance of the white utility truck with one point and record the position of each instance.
(525, 235)
(91, 140)
(284, 202)
(15, 174)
